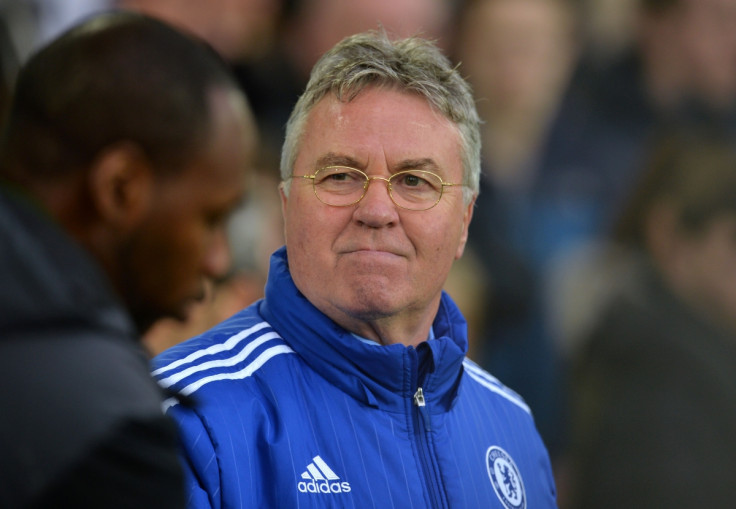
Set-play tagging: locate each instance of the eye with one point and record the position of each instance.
(338, 177)
(334, 177)
(215, 218)
(410, 180)
(417, 181)
(219, 216)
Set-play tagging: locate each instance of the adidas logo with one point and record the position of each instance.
(319, 478)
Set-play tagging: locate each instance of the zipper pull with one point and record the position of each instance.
(419, 397)
(421, 404)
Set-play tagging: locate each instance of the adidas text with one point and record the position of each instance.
(324, 487)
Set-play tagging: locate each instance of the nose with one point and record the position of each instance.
(376, 209)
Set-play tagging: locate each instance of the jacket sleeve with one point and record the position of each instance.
(200, 463)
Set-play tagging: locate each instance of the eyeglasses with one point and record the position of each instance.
(342, 186)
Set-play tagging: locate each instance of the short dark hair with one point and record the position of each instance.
(692, 165)
(117, 76)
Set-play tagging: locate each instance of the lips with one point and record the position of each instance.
(364, 251)
(375, 252)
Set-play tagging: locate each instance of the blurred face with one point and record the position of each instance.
(373, 263)
(325, 22)
(182, 241)
(235, 28)
(708, 275)
(516, 52)
(693, 50)
(709, 39)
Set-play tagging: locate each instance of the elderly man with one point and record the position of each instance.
(124, 152)
(347, 385)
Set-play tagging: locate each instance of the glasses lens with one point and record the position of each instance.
(416, 189)
(339, 186)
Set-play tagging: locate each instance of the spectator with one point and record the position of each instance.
(124, 152)
(682, 66)
(518, 55)
(240, 30)
(683, 63)
(655, 377)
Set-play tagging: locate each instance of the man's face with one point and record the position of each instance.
(182, 241)
(375, 261)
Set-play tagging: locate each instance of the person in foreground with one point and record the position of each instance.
(124, 151)
(347, 385)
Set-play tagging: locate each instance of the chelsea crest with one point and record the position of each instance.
(505, 478)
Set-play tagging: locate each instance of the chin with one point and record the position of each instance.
(187, 310)
(369, 314)
(367, 305)
(179, 313)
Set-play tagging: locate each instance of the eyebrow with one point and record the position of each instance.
(334, 159)
(426, 164)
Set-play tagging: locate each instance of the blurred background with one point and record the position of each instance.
(575, 96)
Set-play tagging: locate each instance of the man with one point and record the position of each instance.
(347, 385)
(654, 376)
(124, 152)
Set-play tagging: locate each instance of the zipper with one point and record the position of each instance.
(422, 427)
(421, 404)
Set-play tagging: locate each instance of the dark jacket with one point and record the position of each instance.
(655, 418)
(80, 417)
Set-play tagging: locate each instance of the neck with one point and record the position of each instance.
(407, 328)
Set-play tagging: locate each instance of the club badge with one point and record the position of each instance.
(505, 478)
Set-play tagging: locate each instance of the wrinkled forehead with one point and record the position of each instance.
(379, 125)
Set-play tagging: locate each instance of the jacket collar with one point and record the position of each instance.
(377, 375)
(48, 278)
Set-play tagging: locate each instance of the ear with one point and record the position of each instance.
(284, 203)
(466, 224)
(121, 182)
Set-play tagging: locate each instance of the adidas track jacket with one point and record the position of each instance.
(291, 410)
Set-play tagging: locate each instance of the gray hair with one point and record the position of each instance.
(414, 64)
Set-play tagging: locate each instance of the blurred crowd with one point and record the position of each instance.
(601, 117)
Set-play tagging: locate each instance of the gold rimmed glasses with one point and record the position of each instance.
(342, 186)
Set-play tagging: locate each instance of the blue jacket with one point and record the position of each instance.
(291, 410)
